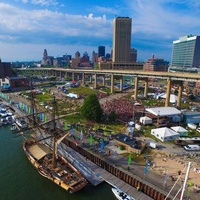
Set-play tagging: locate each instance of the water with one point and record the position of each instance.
(19, 180)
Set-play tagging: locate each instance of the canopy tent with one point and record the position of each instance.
(179, 129)
(164, 111)
(165, 134)
(173, 98)
(145, 120)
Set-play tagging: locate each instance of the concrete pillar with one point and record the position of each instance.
(180, 90)
(60, 74)
(72, 76)
(83, 78)
(91, 78)
(112, 84)
(65, 74)
(168, 93)
(136, 88)
(145, 88)
(121, 84)
(95, 81)
(103, 80)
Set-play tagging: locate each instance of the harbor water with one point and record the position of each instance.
(19, 180)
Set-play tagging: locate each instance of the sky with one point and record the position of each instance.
(27, 27)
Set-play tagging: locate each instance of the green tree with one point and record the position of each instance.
(91, 108)
(112, 116)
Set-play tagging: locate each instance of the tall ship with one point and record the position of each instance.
(46, 158)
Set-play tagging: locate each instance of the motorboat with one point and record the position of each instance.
(4, 121)
(9, 119)
(121, 195)
(13, 127)
(21, 123)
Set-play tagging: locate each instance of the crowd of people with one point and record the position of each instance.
(123, 107)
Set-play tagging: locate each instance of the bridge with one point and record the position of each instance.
(170, 77)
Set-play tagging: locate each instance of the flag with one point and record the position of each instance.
(102, 145)
(166, 177)
(115, 154)
(146, 167)
(129, 159)
(72, 131)
(29, 110)
(45, 118)
(81, 135)
(66, 126)
(41, 116)
(190, 184)
(91, 140)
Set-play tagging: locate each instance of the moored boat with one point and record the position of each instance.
(13, 127)
(61, 172)
(21, 123)
(121, 195)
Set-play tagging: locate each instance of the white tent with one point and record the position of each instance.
(145, 120)
(173, 98)
(164, 111)
(165, 134)
(179, 129)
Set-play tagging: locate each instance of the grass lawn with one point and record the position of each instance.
(82, 90)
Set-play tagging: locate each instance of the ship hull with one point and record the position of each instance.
(61, 175)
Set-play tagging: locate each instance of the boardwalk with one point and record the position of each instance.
(96, 174)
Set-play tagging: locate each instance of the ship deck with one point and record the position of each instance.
(39, 151)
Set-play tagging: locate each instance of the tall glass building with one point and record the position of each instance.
(186, 53)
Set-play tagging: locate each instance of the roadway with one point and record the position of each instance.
(178, 76)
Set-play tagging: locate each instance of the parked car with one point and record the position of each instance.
(192, 147)
(198, 129)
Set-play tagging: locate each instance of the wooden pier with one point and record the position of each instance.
(136, 187)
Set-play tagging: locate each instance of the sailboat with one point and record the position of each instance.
(46, 159)
(182, 189)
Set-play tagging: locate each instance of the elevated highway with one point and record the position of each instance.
(138, 75)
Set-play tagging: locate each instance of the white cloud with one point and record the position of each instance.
(16, 21)
(44, 2)
(24, 1)
(107, 10)
(156, 17)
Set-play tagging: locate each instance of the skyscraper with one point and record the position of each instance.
(101, 51)
(121, 39)
(186, 52)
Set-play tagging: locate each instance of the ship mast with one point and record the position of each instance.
(33, 104)
(54, 133)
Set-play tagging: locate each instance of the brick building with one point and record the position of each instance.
(5, 69)
(156, 64)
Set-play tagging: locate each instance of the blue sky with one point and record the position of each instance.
(27, 27)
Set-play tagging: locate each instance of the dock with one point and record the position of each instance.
(96, 175)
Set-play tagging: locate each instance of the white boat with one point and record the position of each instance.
(13, 127)
(121, 195)
(4, 121)
(21, 123)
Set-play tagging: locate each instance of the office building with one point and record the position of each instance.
(121, 39)
(101, 51)
(5, 69)
(186, 53)
(133, 55)
(156, 64)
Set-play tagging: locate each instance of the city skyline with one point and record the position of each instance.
(64, 27)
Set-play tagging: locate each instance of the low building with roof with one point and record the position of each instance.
(130, 144)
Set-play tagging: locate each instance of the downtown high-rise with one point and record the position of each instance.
(121, 39)
(186, 52)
